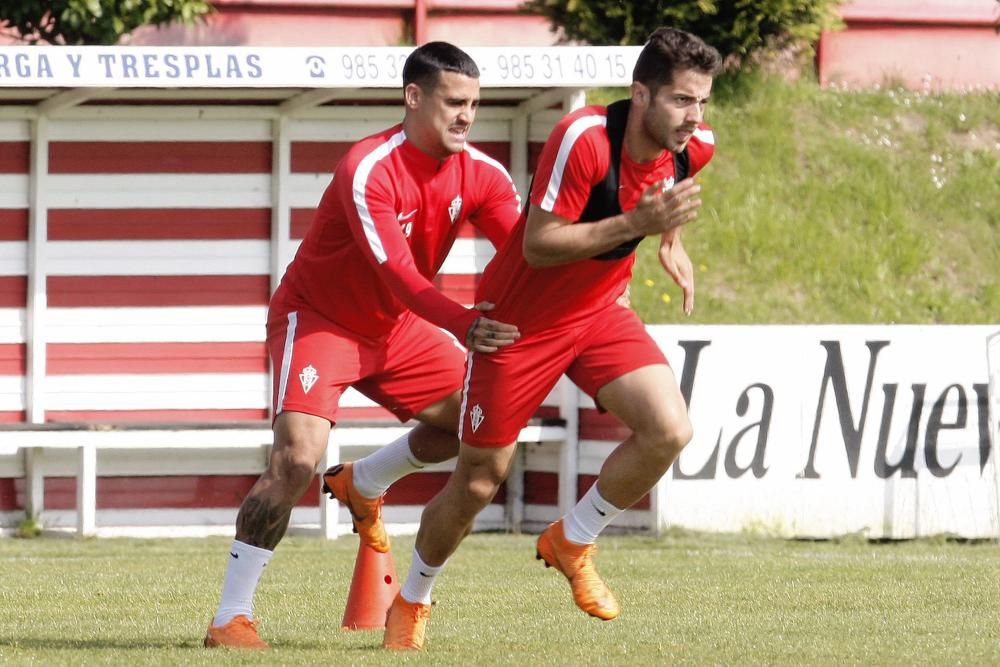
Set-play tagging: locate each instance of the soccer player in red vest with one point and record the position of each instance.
(356, 308)
(557, 279)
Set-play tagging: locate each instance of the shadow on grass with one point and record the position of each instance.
(76, 644)
(30, 644)
(890, 541)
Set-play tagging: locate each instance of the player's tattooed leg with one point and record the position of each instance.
(261, 523)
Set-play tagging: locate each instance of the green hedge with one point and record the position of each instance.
(737, 28)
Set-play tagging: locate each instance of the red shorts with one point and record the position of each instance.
(504, 389)
(315, 360)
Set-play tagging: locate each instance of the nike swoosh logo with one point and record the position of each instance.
(234, 554)
(403, 216)
(422, 574)
(598, 510)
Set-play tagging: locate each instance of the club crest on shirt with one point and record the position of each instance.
(455, 208)
(476, 416)
(308, 378)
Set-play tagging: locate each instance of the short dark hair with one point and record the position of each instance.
(425, 64)
(668, 50)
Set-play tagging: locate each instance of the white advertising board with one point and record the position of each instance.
(319, 67)
(820, 431)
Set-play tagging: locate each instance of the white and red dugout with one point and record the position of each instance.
(150, 198)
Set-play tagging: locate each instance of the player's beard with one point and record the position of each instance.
(663, 133)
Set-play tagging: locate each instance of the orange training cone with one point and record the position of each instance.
(373, 587)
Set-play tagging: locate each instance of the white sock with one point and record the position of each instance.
(376, 472)
(246, 564)
(589, 517)
(420, 580)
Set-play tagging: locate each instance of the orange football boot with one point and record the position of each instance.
(406, 625)
(338, 481)
(575, 561)
(240, 632)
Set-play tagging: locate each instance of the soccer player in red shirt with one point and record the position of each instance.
(356, 308)
(557, 279)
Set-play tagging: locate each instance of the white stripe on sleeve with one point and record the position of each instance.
(477, 154)
(573, 132)
(361, 182)
(705, 136)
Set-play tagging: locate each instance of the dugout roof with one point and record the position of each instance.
(290, 82)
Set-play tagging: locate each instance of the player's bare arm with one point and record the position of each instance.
(678, 266)
(551, 240)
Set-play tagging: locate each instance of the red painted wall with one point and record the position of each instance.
(920, 44)
(359, 23)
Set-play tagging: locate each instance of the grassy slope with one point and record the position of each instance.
(826, 206)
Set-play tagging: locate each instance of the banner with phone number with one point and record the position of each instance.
(352, 67)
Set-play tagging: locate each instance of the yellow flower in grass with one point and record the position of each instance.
(665, 297)
(648, 283)
(702, 267)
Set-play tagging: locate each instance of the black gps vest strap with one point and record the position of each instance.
(603, 202)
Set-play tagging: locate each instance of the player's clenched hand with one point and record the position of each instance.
(486, 335)
(661, 210)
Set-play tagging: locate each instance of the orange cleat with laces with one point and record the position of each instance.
(338, 481)
(575, 561)
(406, 625)
(240, 632)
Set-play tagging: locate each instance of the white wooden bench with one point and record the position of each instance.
(29, 440)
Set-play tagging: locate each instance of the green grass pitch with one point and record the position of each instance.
(686, 599)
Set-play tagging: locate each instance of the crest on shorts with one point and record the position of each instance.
(477, 417)
(455, 208)
(308, 378)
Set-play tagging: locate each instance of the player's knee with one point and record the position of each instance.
(478, 477)
(291, 479)
(481, 490)
(466, 498)
(292, 469)
(482, 482)
(663, 441)
(679, 434)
